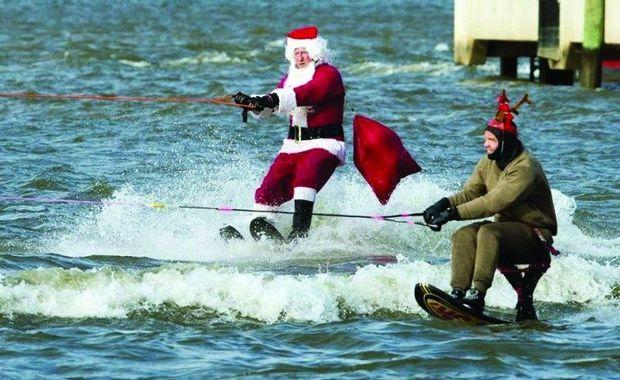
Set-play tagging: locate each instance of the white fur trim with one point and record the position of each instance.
(300, 117)
(288, 100)
(316, 48)
(262, 114)
(305, 193)
(262, 207)
(266, 215)
(333, 146)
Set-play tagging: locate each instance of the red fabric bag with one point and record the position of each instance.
(380, 156)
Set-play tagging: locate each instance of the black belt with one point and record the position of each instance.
(326, 132)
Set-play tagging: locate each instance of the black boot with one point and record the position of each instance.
(525, 311)
(301, 219)
(457, 293)
(475, 300)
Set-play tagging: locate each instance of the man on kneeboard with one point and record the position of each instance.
(312, 96)
(509, 184)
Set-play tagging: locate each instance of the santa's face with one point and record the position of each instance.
(302, 58)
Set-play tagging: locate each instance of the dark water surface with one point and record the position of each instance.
(123, 291)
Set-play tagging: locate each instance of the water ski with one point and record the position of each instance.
(441, 305)
(260, 227)
(229, 233)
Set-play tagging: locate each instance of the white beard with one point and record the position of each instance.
(297, 77)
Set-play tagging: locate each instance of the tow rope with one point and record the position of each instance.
(225, 100)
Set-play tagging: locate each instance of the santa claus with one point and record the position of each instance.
(312, 96)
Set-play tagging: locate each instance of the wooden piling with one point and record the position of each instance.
(593, 35)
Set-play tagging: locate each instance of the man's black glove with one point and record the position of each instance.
(433, 211)
(443, 218)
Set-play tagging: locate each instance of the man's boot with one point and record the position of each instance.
(301, 219)
(475, 300)
(457, 293)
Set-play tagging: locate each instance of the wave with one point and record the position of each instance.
(572, 239)
(204, 58)
(138, 64)
(438, 68)
(280, 43)
(179, 234)
(257, 280)
(442, 46)
(269, 298)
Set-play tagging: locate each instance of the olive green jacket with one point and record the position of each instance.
(519, 193)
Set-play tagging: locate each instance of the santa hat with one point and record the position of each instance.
(306, 37)
(503, 117)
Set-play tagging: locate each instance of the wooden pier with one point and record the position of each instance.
(559, 37)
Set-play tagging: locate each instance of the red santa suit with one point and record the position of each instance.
(313, 98)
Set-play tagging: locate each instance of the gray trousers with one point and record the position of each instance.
(477, 248)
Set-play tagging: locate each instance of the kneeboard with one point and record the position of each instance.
(441, 305)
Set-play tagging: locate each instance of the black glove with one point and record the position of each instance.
(258, 103)
(433, 211)
(243, 99)
(444, 217)
(265, 101)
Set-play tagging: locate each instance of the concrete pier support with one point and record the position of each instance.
(593, 34)
(508, 67)
(547, 75)
(559, 36)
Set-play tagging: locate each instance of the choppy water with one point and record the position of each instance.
(131, 292)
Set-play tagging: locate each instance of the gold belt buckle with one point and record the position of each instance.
(298, 137)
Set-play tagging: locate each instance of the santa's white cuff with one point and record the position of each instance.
(288, 100)
(262, 114)
(262, 207)
(304, 193)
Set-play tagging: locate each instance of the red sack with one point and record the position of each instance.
(380, 156)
